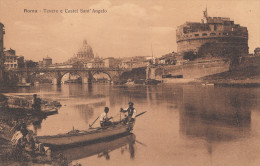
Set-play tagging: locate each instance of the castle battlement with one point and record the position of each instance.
(222, 31)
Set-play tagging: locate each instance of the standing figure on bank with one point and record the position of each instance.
(131, 112)
(36, 103)
(104, 119)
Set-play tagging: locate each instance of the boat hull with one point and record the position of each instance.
(82, 151)
(75, 137)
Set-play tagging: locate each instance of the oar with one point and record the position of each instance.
(140, 114)
(140, 143)
(136, 115)
(93, 122)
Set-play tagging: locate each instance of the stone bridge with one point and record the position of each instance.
(56, 74)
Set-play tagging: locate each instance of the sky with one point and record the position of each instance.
(126, 28)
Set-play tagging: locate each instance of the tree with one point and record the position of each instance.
(190, 55)
(20, 62)
(31, 64)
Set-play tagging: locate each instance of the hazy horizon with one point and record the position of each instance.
(128, 28)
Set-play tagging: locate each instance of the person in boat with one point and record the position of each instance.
(104, 119)
(36, 103)
(106, 154)
(130, 113)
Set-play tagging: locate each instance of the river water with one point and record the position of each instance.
(184, 124)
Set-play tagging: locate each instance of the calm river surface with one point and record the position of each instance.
(184, 124)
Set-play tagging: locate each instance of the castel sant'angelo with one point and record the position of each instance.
(214, 36)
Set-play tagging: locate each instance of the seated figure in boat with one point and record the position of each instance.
(36, 103)
(104, 119)
(130, 113)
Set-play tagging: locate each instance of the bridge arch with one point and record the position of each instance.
(41, 77)
(101, 72)
(61, 76)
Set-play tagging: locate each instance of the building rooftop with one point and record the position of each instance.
(47, 58)
(10, 52)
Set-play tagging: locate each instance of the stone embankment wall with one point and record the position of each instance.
(248, 71)
(192, 70)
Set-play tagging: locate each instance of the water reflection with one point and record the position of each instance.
(37, 125)
(86, 112)
(102, 149)
(181, 121)
(216, 114)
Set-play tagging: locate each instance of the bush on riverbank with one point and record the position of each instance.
(3, 102)
(134, 75)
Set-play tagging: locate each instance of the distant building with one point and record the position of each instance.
(59, 65)
(85, 52)
(136, 62)
(47, 61)
(168, 59)
(78, 65)
(88, 65)
(130, 64)
(257, 51)
(111, 62)
(10, 59)
(40, 63)
(126, 64)
(94, 63)
(2, 32)
(215, 36)
(97, 63)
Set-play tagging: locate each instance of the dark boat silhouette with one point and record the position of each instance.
(92, 134)
(100, 148)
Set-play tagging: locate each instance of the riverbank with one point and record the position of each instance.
(13, 113)
(9, 121)
(247, 74)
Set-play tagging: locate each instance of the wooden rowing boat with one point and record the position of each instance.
(43, 112)
(92, 134)
(99, 148)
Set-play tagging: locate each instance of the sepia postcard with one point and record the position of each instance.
(133, 82)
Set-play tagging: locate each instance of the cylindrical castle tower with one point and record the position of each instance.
(217, 36)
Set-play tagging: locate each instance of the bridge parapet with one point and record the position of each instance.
(70, 69)
(56, 74)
